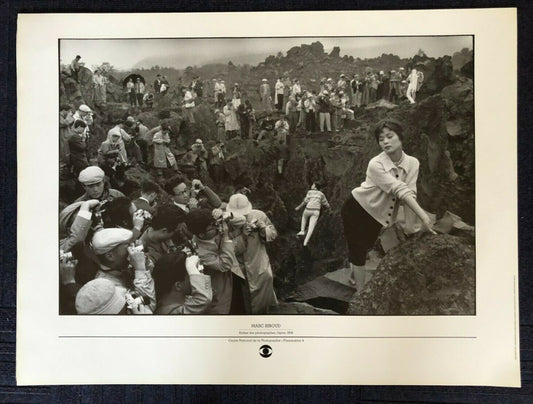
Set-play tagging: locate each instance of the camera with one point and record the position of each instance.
(190, 248)
(65, 257)
(225, 217)
(147, 216)
(253, 225)
(197, 187)
(137, 248)
(134, 300)
(100, 208)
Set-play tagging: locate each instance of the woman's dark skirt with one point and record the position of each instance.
(360, 230)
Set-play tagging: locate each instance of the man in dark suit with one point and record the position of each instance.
(149, 192)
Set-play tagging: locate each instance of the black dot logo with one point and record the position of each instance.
(265, 351)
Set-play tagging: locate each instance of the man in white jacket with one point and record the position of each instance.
(279, 89)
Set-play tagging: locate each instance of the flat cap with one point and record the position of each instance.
(84, 108)
(91, 175)
(99, 296)
(107, 239)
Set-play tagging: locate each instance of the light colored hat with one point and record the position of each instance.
(342, 75)
(401, 68)
(393, 71)
(84, 108)
(107, 239)
(199, 141)
(381, 72)
(99, 296)
(91, 175)
(341, 92)
(264, 80)
(325, 92)
(239, 205)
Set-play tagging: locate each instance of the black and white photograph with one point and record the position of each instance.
(328, 175)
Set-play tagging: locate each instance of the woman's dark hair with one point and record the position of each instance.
(391, 124)
(117, 213)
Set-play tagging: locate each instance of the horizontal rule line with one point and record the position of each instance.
(262, 335)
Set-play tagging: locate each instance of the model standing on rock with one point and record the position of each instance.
(390, 182)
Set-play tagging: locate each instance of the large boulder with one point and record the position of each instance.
(426, 275)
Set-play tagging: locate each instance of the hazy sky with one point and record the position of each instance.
(124, 54)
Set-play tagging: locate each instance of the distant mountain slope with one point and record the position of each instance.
(176, 60)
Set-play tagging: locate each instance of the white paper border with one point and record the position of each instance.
(489, 356)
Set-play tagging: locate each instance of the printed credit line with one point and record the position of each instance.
(271, 336)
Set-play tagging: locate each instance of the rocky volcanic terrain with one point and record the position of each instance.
(422, 274)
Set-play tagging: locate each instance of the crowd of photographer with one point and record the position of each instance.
(192, 255)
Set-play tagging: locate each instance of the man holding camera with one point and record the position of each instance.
(114, 252)
(188, 196)
(85, 114)
(92, 179)
(250, 237)
(77, 144)
(149, 193)
(181, 286)
(118, 134)
(216, 252)
(157, 239)
(101, 296)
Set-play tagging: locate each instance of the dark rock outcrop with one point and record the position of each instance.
(426, 275)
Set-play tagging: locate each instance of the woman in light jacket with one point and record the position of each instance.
(163, 157)
(390, 182)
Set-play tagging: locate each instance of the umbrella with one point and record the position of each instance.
(133, 76)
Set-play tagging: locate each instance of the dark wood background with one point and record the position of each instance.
(9, 393)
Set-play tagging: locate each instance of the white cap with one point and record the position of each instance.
(107, 239)
(84, 108)
(99, 296)
(91, 175)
